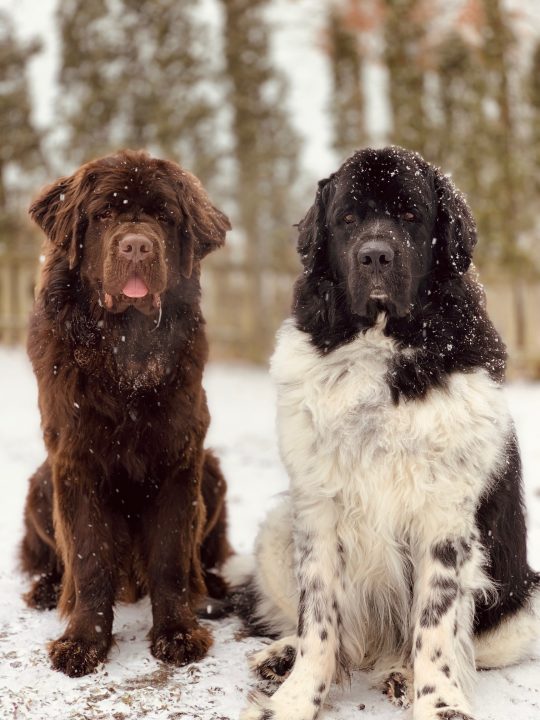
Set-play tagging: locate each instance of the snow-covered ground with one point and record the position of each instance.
(132, 685)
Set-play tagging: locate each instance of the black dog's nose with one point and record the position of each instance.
(135, 247)
(377, 255)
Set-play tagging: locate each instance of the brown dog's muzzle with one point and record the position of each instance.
(136, 248)
(135, 269)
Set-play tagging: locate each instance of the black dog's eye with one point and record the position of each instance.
(349, 218)
(105, 215)
(408, 216)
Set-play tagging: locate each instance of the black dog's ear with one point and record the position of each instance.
(455, 228)
(312, 231)
(59, 212)
(203, 227)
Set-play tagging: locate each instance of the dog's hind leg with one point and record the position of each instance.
(215, 548)
(38, 549)
(512, 640)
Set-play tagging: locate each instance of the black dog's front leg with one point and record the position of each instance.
(443, 652)
(319, 569)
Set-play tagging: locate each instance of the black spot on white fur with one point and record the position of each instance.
(445, 592)
(445, 552)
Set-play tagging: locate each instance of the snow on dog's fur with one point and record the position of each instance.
(401, 546)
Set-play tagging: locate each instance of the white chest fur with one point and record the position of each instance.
(398, 474)
(339, 406)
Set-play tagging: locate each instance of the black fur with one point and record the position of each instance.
(435, 309)
(444, 595)
(244, 603)
(501, 520)
(446, 553)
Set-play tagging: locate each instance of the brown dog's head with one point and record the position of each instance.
(133, 226)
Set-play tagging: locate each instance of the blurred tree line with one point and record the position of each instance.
(157, 74)
(20, 149)
(463, 94)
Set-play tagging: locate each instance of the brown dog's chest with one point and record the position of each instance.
(128, 371)
(134, 417)
(132, 354)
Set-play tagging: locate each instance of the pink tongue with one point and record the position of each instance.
(135, 288)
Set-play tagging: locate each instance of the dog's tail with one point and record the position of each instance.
(237, 576)
(263, 586)
(247, 599)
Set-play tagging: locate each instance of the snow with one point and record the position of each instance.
(132, 684)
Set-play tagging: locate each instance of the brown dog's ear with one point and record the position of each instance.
(203, 226)
(59, 213)
(187, 251)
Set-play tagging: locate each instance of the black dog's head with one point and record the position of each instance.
(384, 227)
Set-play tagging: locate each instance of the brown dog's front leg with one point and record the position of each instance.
(173, 528)
(83, 531)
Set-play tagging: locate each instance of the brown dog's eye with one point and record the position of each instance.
(105, 215)
(165, 217)
(348, 218)
(408, 216)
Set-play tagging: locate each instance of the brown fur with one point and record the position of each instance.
(128, 500)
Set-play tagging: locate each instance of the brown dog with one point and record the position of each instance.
(128, 500)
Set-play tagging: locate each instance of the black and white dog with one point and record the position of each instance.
(401, 546)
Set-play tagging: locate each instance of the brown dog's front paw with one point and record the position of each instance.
(43, 594)
(76, 657)
(181, 647)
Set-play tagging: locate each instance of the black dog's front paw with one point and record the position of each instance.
(453, 715)
(274, 662)
(398, 689)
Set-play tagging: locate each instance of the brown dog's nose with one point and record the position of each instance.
(135, 248)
